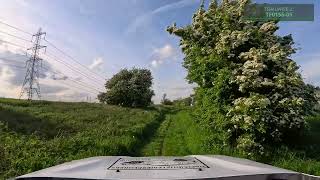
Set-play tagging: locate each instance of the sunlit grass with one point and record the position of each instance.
(37, 135)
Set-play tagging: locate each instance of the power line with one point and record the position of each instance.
(83, 85)
(74, 59)
(6, 59)
(63, 81)
(86, 90)
(55, 58)
(52, 46)
(70, 85)
(16, 28)
(11, 43)
(69, 66)
(73, 80)
(31, 84)
(78, 69)
(33, 63)
(16, 66)
(77, 88)
(15, 36)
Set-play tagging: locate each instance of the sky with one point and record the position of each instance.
(104, 36)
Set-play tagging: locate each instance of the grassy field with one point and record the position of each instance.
(179, 134)
(42, 134)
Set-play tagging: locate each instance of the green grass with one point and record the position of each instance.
(41, 134)
(305, 155)
(180, 134)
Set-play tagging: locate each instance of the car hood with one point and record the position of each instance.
(186, 167)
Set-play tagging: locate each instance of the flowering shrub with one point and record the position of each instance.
(249, 88)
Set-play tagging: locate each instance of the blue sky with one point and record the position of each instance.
(107, 35)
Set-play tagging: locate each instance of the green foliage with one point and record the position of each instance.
(165, 100)
(40, 134)
(317, 92)
(311, 95)
(181, 102)
(249, 90)
(129, 88)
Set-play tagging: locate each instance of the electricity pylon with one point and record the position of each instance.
(31, 84)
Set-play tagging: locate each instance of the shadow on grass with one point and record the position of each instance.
(26, 124)
(309, 143)
(306, 146)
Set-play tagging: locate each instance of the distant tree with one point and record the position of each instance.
(164, 97)
(129, 88)
(165, 100)
(310, 95)
(102, 97)
(183, 101)
(249, 89)
(317, 92)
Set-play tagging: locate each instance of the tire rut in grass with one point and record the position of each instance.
(164, 133)
(156, 144)
(150, 131)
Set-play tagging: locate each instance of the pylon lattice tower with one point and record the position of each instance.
(30, 84)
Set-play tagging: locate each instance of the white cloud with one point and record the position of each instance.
(155, 63)
(24, 15)
(7, 89)
(146, 18)
(6, 73)
(310, 68)
(12, 76)
(8, 43)
(51, 89)
(97, 64)
(162, 54)
(165, 52)
(10, 79)
(174, 89)
(59, 77)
